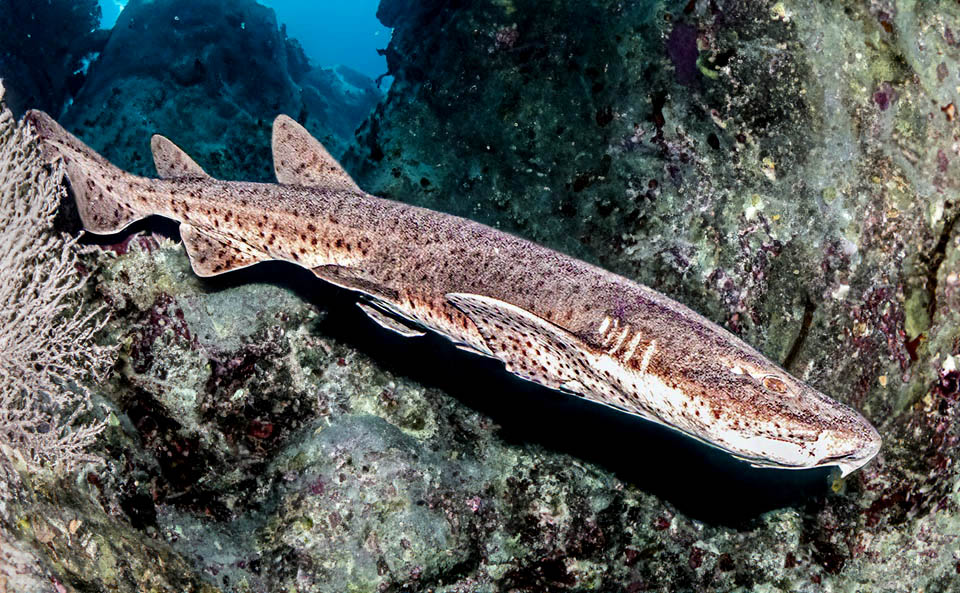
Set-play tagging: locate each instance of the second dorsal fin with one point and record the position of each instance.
(172, 162)
(300, 159)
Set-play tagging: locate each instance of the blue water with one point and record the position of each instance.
(331, 31)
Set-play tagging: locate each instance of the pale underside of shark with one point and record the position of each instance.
(550, 318)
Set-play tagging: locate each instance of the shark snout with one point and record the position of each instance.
(851, 450)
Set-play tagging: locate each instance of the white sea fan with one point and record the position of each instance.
(47, 347)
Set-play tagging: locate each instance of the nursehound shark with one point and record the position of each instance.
(550, 318)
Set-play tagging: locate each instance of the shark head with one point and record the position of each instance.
(774, 420)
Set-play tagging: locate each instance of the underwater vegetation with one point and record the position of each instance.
(789, 169)
(47, 338)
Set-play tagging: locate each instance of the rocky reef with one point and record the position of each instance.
(45, 49)
(211, 75)
(787, 168)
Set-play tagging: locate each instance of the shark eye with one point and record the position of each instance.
(774, 384)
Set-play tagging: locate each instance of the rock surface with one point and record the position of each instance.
(40, 70)
(789, 169)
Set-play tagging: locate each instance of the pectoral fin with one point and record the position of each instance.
(391, 323)
(211, 255)
(530, 346)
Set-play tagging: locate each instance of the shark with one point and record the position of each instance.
(550, 318)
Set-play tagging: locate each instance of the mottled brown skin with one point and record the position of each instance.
(626, 345)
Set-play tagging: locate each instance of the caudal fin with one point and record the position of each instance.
(102, 190)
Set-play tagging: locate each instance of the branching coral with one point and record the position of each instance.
(47, 348)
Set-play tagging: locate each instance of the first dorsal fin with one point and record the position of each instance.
(300, 159)
(172, 162)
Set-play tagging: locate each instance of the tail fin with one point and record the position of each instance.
(101, 189)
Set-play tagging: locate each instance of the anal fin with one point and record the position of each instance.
(391, 323)
(211, 255)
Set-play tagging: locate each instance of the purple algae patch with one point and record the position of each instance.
(683, 52)
(883, 96)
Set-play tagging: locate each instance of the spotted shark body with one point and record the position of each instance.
(550, 318)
